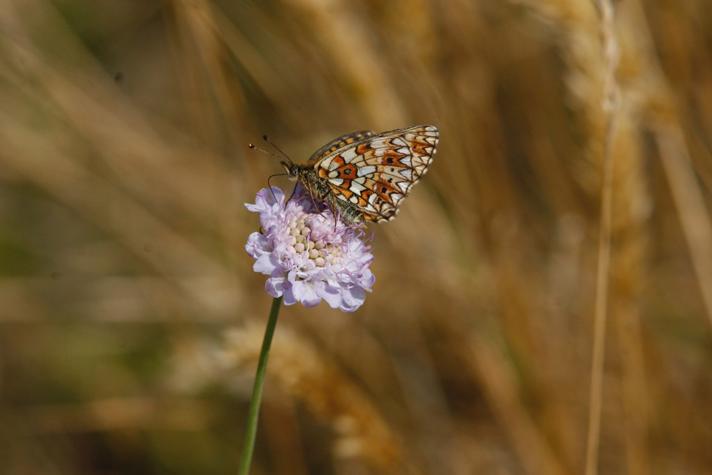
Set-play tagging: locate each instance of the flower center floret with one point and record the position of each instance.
(307, 237)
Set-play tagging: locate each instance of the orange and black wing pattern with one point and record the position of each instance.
(376, 172)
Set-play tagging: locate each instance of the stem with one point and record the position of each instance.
(598, 357)
(254, 412)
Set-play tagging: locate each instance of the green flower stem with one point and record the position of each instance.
(254, 412)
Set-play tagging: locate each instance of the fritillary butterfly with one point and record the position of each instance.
(365, 176)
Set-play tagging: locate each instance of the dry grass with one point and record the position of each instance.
(123, 170)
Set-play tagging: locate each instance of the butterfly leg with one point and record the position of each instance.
(269, 185)
(291, 195)
(311, 196)
(334, 212)
(337, 216)
(335, 209)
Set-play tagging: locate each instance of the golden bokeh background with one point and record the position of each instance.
(130, 318)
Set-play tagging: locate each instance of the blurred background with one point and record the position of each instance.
(130, 318)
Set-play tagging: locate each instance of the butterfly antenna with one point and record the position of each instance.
(252, 146)
(279, 150)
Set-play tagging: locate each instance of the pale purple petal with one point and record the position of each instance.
(256, 245)
(366, 279)
(353, 299)
(331, 295)
(275, 286)
(305, 293)
(266, 200)
(266, 264)
(289, 297)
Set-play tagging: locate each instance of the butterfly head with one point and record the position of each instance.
(291, 169)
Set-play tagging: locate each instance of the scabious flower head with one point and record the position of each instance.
(308, 253)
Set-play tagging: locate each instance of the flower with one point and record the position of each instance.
(309, 254)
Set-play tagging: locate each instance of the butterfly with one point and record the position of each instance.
(363, 176)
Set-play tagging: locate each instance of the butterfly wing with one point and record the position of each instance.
(338, 143)
(376, 173)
